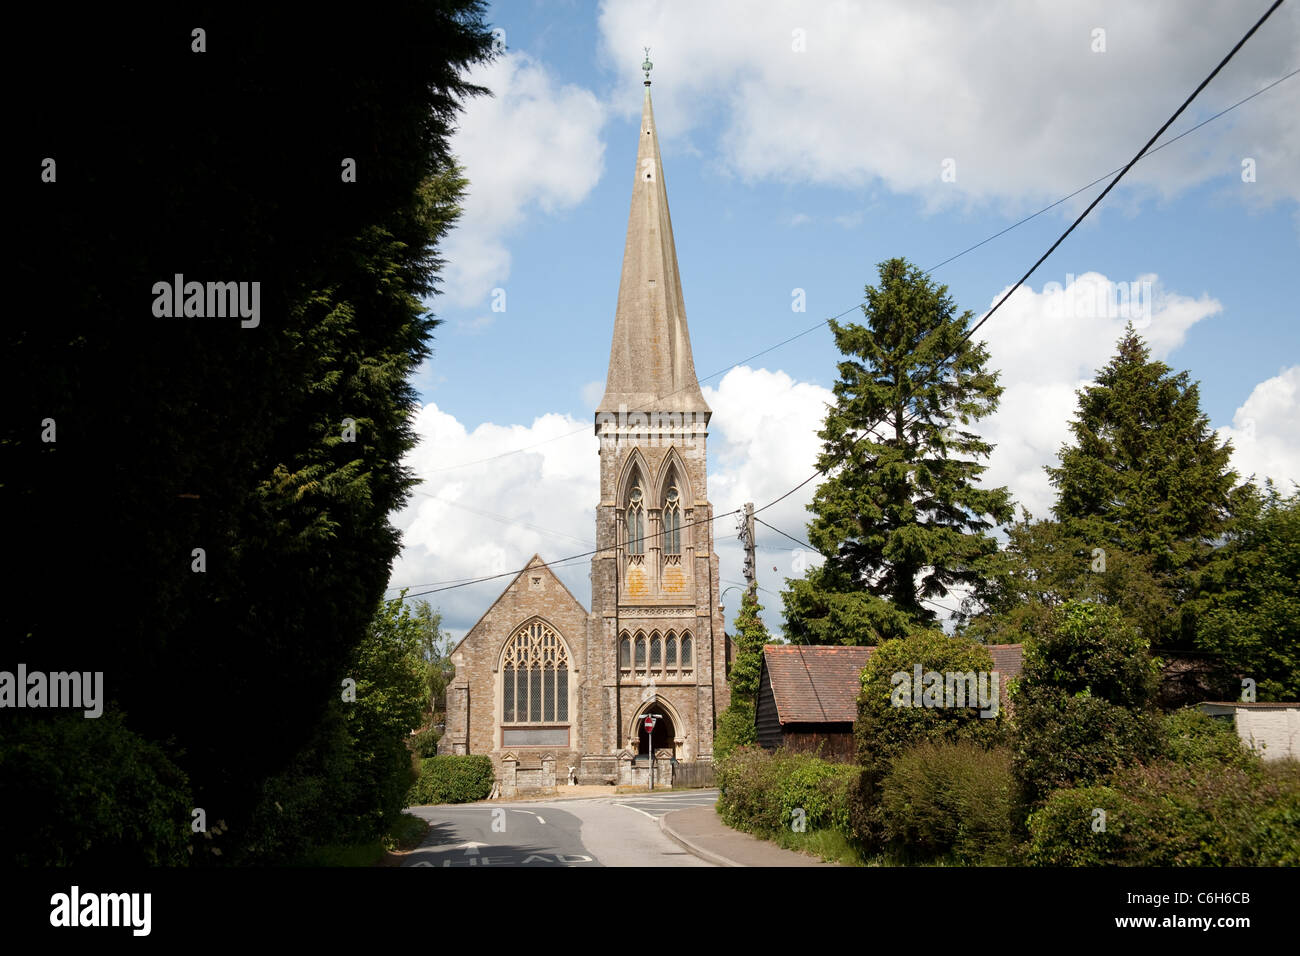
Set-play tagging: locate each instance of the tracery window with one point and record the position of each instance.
(535, 677)
(672, 523)
(635, 521)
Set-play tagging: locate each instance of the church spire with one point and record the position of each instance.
(650, 364)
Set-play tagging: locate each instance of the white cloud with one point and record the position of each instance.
(532, 145)
(592, 393)
(1048, 344)
(1011, 91)
(1264, 435)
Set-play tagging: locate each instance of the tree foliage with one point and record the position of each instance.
(901, 516)
(1146, 474)
(1247, 597)
(275, 449)
(1082, 702)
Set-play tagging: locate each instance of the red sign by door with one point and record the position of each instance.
(649, 725)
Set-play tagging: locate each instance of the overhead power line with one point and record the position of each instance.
(939, 365)
(932, 269)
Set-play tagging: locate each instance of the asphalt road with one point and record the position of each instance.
(601, 831)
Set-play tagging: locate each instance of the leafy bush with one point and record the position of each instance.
(884, 731)
(1064, 741)
(1171, 814)
(760, 791)
(452, 779)
(949, 801)
(424, 742)
(735, 728)
(1193, 737)
(1082, 703)
(90, 792)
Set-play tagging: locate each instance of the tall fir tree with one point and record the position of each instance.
(1146, 473)
(900, 517)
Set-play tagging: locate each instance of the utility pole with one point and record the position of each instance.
(747, 536)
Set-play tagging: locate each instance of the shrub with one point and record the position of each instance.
(884, 731)
(1193, 737)
(949, 801)
(424, 742)
(90, 792)
(1082, 703)
(1064, 741)
(453, 779)
(735, 728)
(760, 791)
(1171, 814)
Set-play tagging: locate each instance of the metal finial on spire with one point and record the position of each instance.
(647, 66)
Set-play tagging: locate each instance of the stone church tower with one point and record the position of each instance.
(540, 682)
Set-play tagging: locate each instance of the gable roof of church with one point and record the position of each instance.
(650, 363)
(533, 563)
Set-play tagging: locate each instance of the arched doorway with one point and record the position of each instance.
(664, 734)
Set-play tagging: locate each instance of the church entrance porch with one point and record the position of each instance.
(664, 735)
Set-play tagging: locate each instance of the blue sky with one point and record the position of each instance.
(803, 143)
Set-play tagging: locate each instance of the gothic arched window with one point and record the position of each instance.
(686, 652)
(535, 677)
(640, 652)
(635, 521)
(656, 653)
(670, 658)
(672, 522)
(625, 653)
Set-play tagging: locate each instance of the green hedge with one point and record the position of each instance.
(1171, 814)
(949, 801)
(453, 779)
(760, 790)
(90, 792)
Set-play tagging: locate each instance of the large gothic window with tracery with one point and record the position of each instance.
(535, 677)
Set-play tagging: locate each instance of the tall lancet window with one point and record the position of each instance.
(635, 521)
(672, 523)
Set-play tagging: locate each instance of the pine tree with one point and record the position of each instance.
(1146, 473)
(901, 516)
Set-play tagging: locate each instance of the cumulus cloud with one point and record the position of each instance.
(534, 145)
(1047, 344)
(1264, 433)
(1012, 93)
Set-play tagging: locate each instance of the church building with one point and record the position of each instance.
(552, 691)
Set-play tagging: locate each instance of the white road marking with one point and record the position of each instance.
(628, 806)
(529, 812)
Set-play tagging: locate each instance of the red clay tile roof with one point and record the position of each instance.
(814, 684)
